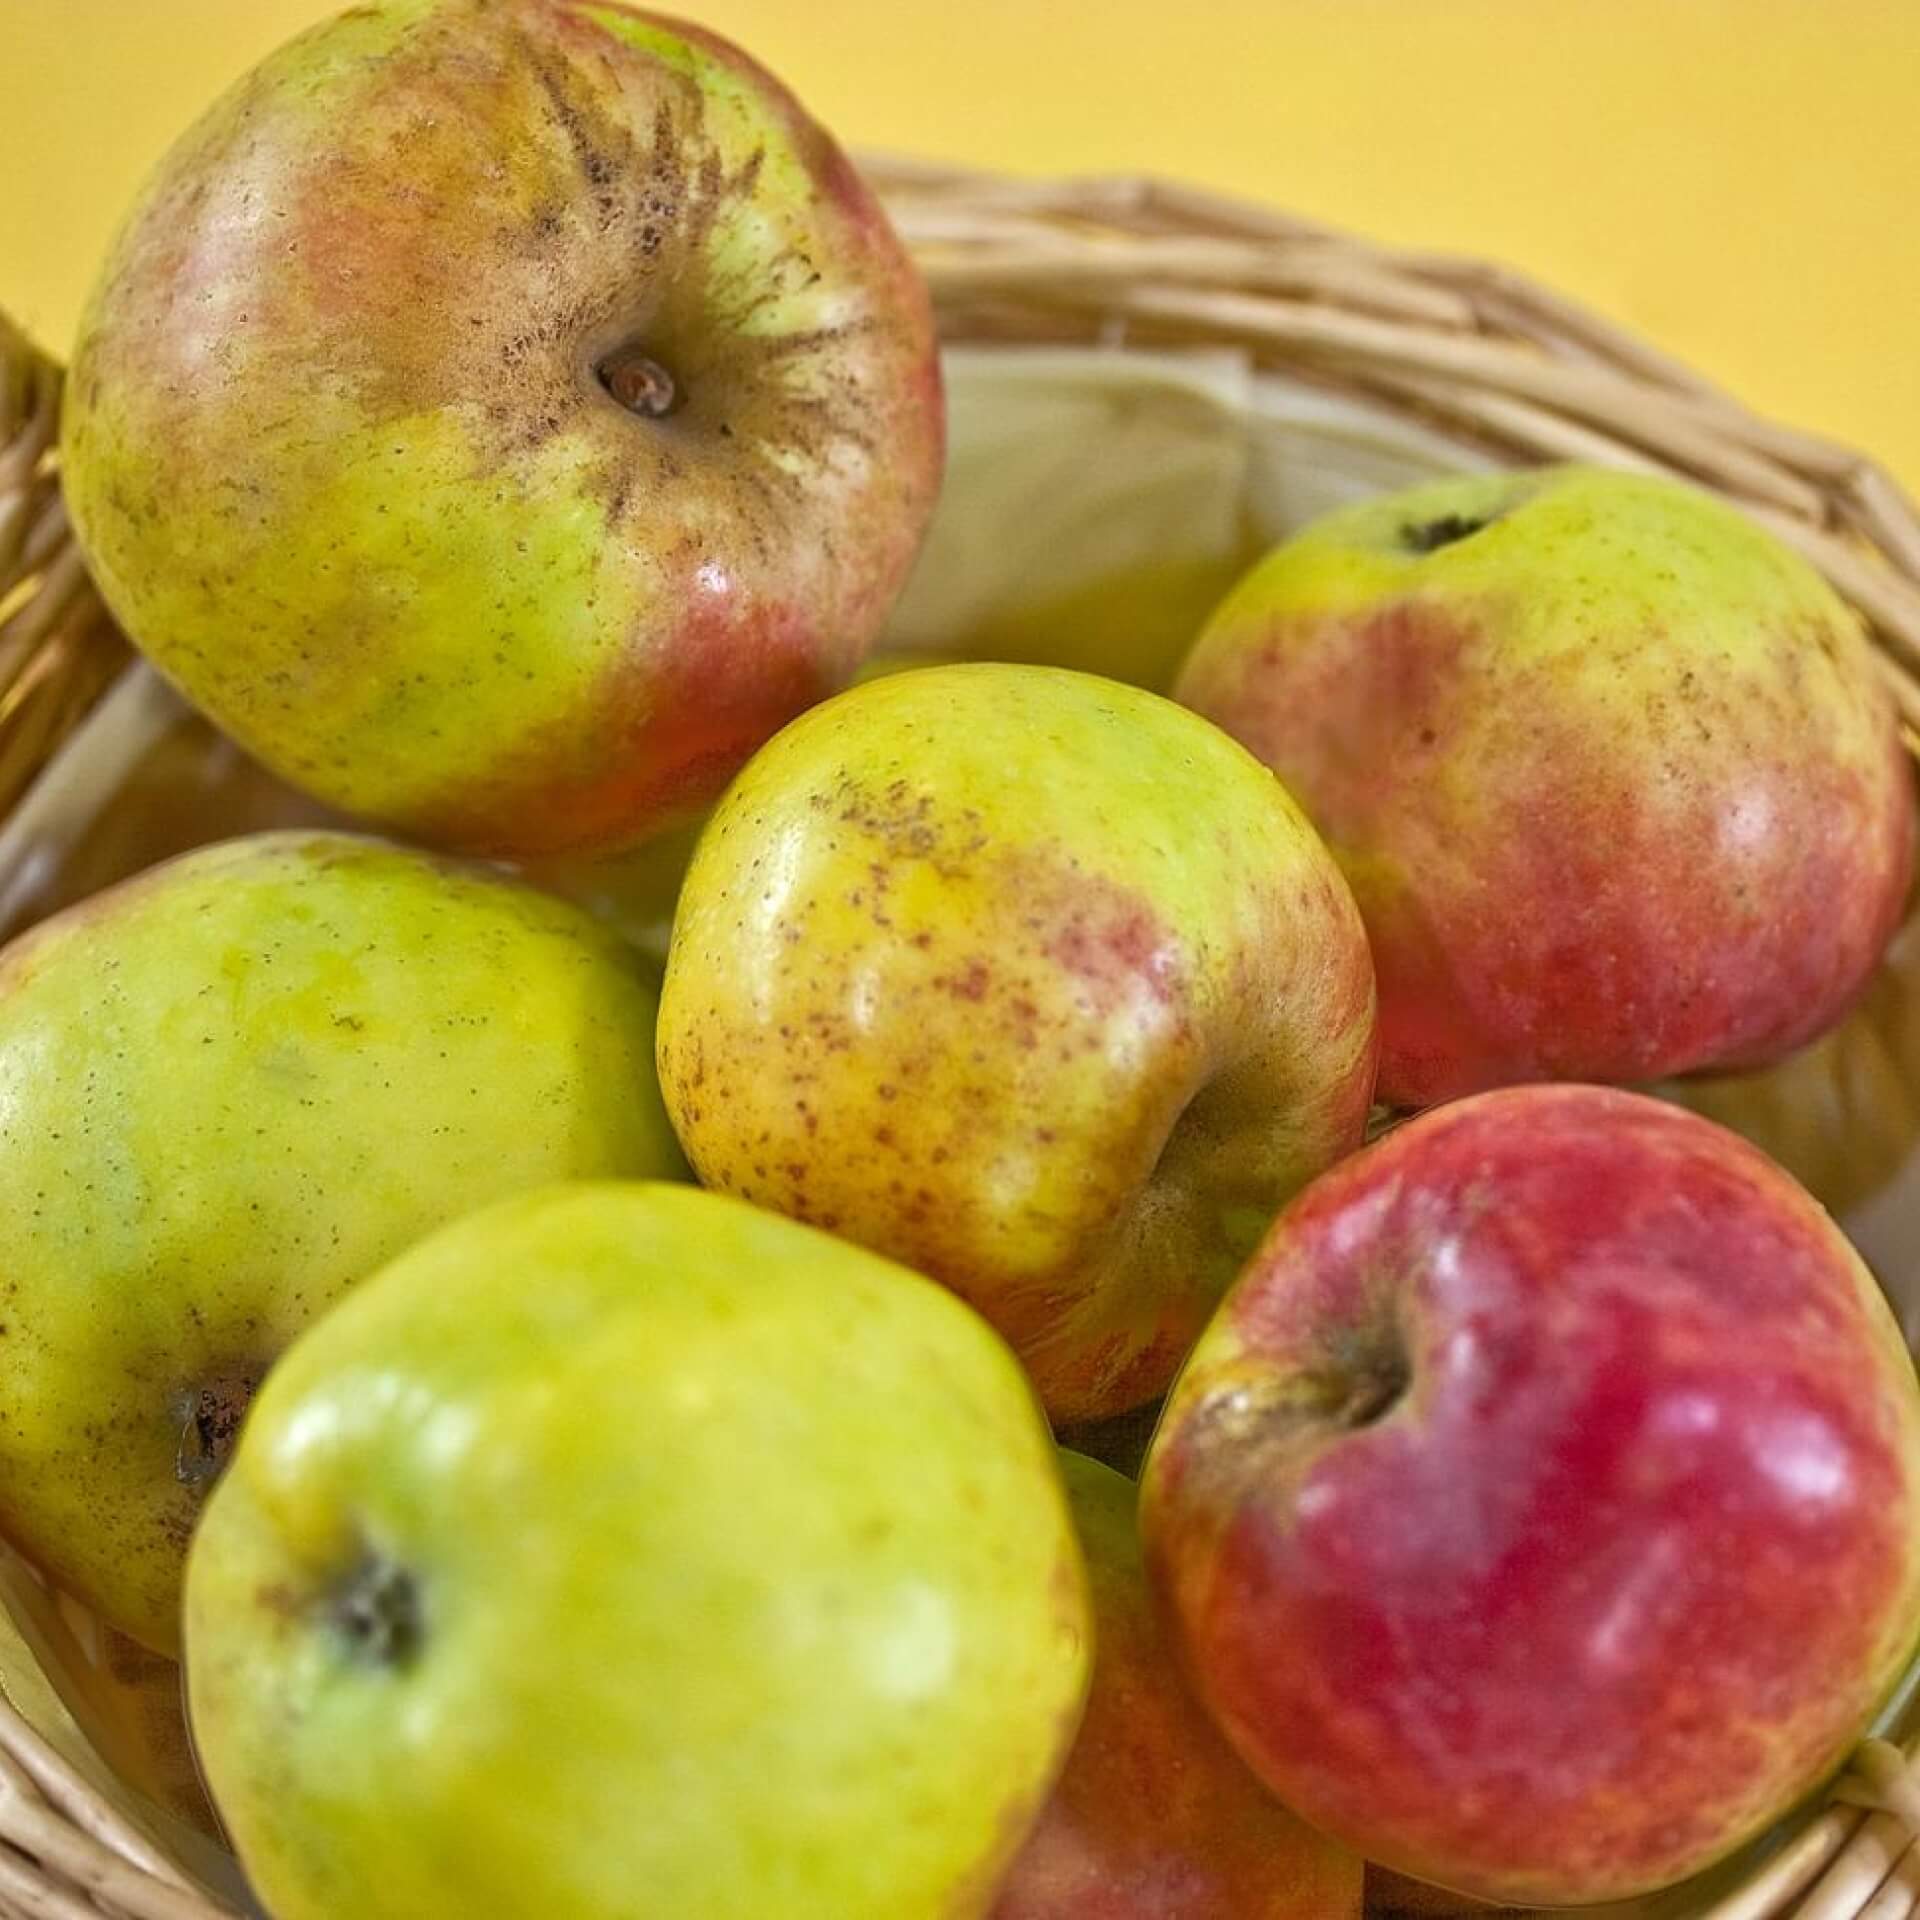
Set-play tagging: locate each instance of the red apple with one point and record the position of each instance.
(1540, 1513)
(1154, 1818)
(1607, 765)
(502, 415)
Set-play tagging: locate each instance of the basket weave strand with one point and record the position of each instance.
(58, 649)
(67, 1854)
(1475, 350)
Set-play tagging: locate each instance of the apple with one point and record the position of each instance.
(228, 1089)
(1154, 1817)
(1607, 764)
(622, 1551)
(1540, 1515)
(1035, 982)
(501, 415)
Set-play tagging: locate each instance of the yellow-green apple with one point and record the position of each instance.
(1154, 1818)
(228, 1089)
(623, 1551)
(501, 415)
(1541, 1512)
(1607, 764)
(1034, 981)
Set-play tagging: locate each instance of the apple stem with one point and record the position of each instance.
(639, 382)
(1427, 536)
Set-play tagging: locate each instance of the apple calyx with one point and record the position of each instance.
(210, 1417)
(639, 382)
(1428, 536)
(377, 1612)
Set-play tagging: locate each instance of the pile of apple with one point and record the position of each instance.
(509, 419)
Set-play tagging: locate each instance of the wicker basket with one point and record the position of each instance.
(1491, 368)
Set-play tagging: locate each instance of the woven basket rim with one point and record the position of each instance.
(1478, 351)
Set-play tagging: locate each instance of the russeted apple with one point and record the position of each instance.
(623, 1552)
(231, 1087)
(501, 415)
(1540, 1514)
(1608, 765)
(1033, 981)
(1155, 1817)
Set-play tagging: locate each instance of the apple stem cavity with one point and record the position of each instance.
(1428, 536)
(210, 1417)
(639, 382)
(1364, 1373)
(1373, 1380)
(1376, 1399)
(378, 1613)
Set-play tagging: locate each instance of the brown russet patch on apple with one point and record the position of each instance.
(437, 337)
(825, 160)
(910, 824)
(602, 150)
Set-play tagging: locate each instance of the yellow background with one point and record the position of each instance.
(1738, 178)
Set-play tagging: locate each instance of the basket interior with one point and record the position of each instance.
(1098, 503)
